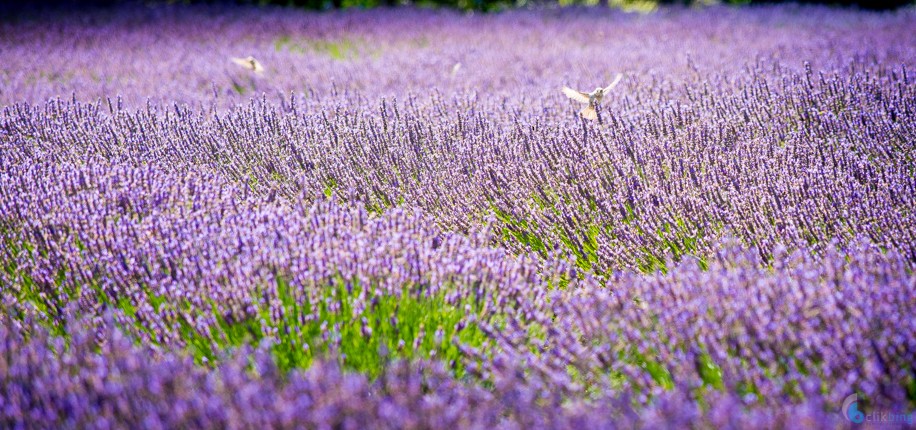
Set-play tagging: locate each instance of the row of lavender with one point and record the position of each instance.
(87, 385)
(459, 239)
(776, 125)
(799, 158)
(117, 384)
(191, 263)
(194, 262)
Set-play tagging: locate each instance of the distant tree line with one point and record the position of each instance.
(479, 5)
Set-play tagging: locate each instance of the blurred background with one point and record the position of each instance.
(9, 7)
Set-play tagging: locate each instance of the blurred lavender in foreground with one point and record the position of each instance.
(760, 368)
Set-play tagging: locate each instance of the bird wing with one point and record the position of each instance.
(610, 87)
(578, 96)
(249, 63)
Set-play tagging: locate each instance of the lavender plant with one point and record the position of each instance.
(193, 261)
(328, 241)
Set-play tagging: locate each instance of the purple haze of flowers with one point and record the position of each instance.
(730, 245)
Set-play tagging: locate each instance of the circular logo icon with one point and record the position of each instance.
(851, 409)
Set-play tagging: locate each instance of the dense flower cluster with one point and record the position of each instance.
(845, 319)
(772, 152)
(47, 384)
(408, 226)
(190, 259)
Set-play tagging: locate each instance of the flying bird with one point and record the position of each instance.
(249, 63)
(592, 99)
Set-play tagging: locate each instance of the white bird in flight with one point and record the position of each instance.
(249, 63)
(592, 99)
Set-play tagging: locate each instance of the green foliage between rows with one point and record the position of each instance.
(406, 326)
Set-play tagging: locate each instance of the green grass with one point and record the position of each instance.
(340, 50)
(674, 241)
(403, 326)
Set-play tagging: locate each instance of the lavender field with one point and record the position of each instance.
(400, 221)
